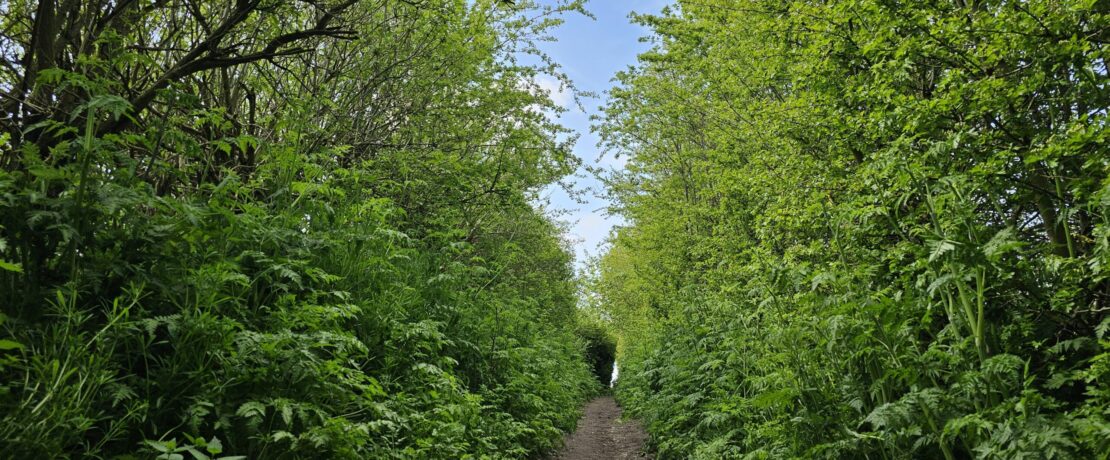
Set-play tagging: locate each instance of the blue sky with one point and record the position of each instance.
(591, 52)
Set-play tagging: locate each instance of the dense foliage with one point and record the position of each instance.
(282, 229)
(865, 229)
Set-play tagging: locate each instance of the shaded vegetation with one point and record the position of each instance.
(282, 229)
(601, 350)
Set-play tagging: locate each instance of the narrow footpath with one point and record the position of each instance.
(602, 435)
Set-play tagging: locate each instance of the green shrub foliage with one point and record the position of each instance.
(282, 229)
(864, 229)
(601, 349)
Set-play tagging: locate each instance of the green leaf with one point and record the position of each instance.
(940, 248)
(1000, 244)
(198, 455)
(8, 266)
(214, 446)
(6, 345)
(162, 446)
(251, 410)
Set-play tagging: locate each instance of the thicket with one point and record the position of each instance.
(864, 229)
(282, 229)
(601, 346)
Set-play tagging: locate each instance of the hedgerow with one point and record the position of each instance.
(282, 229)
(864, 229)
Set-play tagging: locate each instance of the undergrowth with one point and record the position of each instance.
(274, 230)
(864, 229)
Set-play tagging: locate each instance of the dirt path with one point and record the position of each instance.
(601, 435)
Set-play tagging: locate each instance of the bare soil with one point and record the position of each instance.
(602, 435)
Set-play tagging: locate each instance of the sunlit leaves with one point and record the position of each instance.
(904, 206)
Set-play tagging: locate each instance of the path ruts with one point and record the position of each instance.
(601, 435)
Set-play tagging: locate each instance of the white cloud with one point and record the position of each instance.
(611, 160)
(554, 89)
(590, 229)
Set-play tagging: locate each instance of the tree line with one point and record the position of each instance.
(864, 229)
(283, 229)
